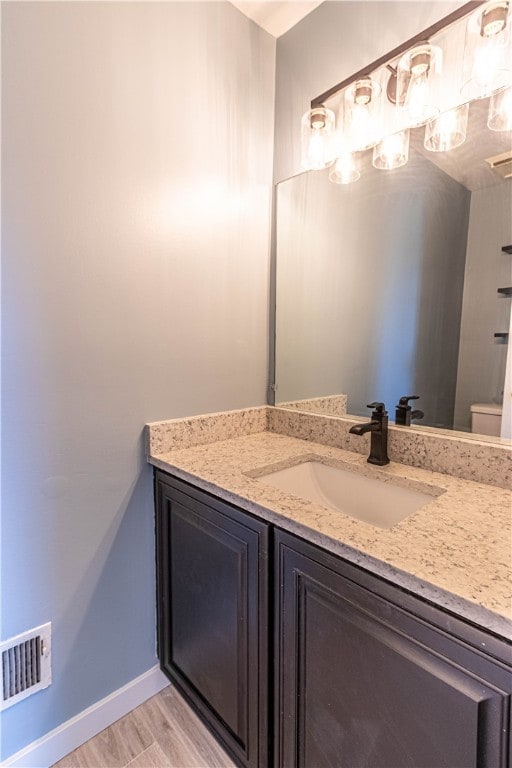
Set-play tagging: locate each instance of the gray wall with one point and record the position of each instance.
(335, 40)
(481, 373)
(369, 287)
(137, 162)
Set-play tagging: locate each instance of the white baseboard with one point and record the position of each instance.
(66, 737)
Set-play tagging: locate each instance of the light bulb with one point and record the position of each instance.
(448, 130)
(392, 152)
(487, 60)
(344, 170)
(361, 124)
(418, 98)
(500, 111)
(487, 55)
(361, 113)
(418, 82)
(315, 154)
(317, 131)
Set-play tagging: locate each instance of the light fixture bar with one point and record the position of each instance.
(391, 55)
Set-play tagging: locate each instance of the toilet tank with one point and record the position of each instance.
(486, 418)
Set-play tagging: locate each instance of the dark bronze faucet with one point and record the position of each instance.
(378, 426)
(404, 413)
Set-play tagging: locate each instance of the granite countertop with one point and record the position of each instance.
(455, 551)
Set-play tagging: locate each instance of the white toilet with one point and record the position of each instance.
(486, 418)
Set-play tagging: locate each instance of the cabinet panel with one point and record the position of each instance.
(212, 586)
(209, 610)
(364, 683)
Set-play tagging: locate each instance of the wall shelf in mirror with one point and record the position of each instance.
(507, 249)
(505, 291)
(501, 338)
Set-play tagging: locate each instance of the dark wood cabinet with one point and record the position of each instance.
(369, 676)
(213, 613)
(363, 674)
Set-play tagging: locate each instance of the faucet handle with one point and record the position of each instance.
(379, 407)
(404, 401)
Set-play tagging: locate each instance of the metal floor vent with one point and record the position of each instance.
(26, 664)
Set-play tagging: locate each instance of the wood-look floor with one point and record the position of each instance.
(163, 732)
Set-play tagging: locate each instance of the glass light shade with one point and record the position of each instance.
(418, 83)
(317, 130)
(500, 111)
(448, 130)
(392, 152)
(362, 110)
(345, 169)
(487, 51)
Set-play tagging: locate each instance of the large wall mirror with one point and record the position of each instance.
(397, 284)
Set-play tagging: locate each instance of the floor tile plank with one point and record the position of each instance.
(164, 732)
(152, 757)
(207, 751)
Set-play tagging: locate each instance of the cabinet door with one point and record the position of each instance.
(212, 613)
(361, 682)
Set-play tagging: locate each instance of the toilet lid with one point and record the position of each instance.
(491, 408)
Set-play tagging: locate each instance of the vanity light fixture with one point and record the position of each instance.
(418, 81)
(487, 52)
(317, 132)
(448, 130)
(417, 92)
(500, 111)
(392, 152)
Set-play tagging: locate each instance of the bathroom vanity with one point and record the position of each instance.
(306, 637)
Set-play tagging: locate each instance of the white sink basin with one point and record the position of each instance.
(380, 502)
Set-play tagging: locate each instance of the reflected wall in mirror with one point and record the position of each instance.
(389, 286)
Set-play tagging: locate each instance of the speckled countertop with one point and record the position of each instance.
(456, 551)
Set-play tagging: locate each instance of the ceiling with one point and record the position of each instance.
(276, 16)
